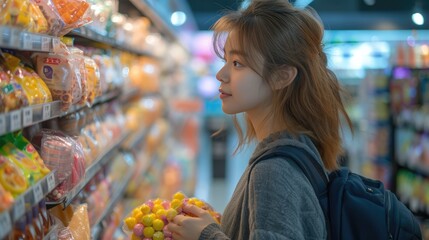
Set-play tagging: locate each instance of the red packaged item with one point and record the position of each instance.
(64, 154)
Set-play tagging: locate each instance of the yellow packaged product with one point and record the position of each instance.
(12, 177)
(12, 94)
(16, 13)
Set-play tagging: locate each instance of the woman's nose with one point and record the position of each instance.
(221, 75)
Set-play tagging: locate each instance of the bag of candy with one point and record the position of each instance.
(149, 220)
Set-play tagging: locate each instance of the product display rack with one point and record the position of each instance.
(17, 39)
(409, 106)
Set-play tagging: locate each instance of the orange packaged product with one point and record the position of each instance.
(65, 15)
(93, 80)
(6, 199)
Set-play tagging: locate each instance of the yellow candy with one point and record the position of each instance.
(136, 211)
(161, 213)
(158, 236)
(157, 201)
(179, 196)
(148, 220)
(171, 213)
(175, 203)
(148, 232)
(139, 217)
(158, 224)
(145, 209)
(157, 207)
(199, 203)
(134, 237)
(130, 222)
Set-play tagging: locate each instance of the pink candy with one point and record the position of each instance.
(138, 229)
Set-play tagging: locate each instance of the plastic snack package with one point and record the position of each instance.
(6, 198)
(79, 63)
(63, 153)
(12, 95)
(60, 73)
(65, 15)
(40, 24)
(12, 177)
(148, 220)
(28, 149)
(93, 80)
(29, 165)
(33, 88)
(79, 223)
(16, 13)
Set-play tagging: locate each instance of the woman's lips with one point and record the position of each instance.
(223, 94)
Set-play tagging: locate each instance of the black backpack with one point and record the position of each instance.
(355, 207)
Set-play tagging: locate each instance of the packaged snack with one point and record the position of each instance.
(61, 73)
(16, 13)
(65, 155)
(6, 198)
(27, 148)
(12, 94)
(35, 89)
(149, 219)
(12, 177)
(93, 80)
(65, 15)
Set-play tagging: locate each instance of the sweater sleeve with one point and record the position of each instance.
(282, 203)
(213, 232)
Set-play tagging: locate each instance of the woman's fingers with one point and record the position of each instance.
(193, 210)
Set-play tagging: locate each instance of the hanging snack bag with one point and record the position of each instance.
(61, 74)
(65, 15)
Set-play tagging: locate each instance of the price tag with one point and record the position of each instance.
(51, 182)
(18, 208)
(2, 124)
(27, 41)
(15, 37)
(56, 44)
(46, 43)
(5, 224)
(46, 111)
(27, 115)
(38, 192)
(15, 120)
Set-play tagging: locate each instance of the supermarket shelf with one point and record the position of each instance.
(31, 197)
(115, 198)
(89, 34)
(27, 116)
(417, 169)
(15, 38)
(102, 159)
(135, 139)
(157, 20)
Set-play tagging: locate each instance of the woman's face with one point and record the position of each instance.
(241, 88)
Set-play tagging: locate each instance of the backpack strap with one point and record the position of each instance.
(311, 168)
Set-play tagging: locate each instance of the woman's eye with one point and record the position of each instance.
(236, 64)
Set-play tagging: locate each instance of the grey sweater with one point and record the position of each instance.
(280, 202)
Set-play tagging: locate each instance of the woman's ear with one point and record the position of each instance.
(284, 77)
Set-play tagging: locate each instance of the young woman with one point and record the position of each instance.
(275, 73)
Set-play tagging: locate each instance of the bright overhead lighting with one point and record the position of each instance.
(178, 18)
(418, 18)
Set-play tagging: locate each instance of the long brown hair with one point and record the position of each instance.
(286, 36)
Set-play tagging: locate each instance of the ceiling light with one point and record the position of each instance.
(417, 15)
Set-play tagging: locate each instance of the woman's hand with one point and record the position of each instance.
(190, 227)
